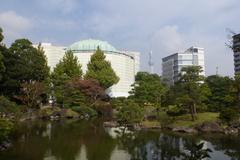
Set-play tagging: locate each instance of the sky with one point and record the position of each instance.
(165, 27)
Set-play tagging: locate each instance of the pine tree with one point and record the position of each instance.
(101, 70)
(68, 68)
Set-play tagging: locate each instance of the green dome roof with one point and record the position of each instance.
(91, 45)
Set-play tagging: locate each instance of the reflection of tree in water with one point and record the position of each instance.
(152, 146)
(62, 140)
(97, 143)
(195, 150)
(227, 144)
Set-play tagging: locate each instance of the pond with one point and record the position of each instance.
(89, 140)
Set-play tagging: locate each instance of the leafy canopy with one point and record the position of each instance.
(23, 63)
(148, 88)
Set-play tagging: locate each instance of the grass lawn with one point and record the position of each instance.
(183, 120)
(186, 120)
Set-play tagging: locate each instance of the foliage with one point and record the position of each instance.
(7, 106)
(2, 49)
(5, 128)
(48, 111)
(2, 67)
(148, 88)
(236, 86)
(229, 114)
(23, 63)
(1, 35)
(80, 92)
(130, 113)
(118, 102)
(222, 95)
(101, 70)
(70, 114)
(192, 90)
(84, 110)
(66, 69)
(31, 93)
(176, 111)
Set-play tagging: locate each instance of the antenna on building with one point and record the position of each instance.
(217, 70)
(150, 62)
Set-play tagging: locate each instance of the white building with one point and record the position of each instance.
(124, 63)
(53, 53)
(172, 65)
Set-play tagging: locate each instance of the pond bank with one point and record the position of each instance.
(206, 127)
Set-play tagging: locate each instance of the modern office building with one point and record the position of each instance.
(172, 65)
(236, 50)
(124, 63)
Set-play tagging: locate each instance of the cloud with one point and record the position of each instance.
(168, 40)
(13, 24)
(165, 27)
(63, 6)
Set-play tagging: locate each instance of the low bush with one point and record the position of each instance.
(130, 113)
(48, 111)
(84, 110)
(7, 106)
(229, 114)
(176, 111)
(5, 128)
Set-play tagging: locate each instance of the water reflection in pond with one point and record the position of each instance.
(90, 141)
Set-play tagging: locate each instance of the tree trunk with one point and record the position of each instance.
(192, 112)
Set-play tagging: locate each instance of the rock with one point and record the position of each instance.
(68, 113)
(5, 145)
(110, 124)
(184, 130)
(210, 127)
(231, 131)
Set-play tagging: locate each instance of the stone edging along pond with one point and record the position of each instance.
(207, 127)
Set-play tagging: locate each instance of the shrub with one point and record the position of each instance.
(70, 114)
(84, 110)
(48, 111)
(7, 106)
(130, 113)
(175, 111)
(5, 129)
(229, 114)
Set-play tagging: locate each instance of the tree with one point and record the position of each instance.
(1, 35)
(130, 113)
(68, 68)
(148, 88)
(32, 93)
(222, 95)
(2, 47)
(101, 70)
(23, 63)
(83, 92)
(236, 86)
(192, 91)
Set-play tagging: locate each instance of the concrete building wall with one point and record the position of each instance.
(172, 65)
(126, 65)
(236, 50)
(53, 53)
